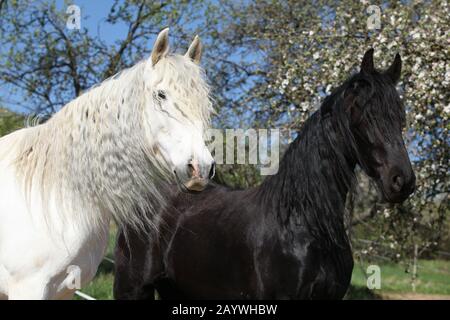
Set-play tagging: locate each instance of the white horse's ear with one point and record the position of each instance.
(161, 47)
(195, 50)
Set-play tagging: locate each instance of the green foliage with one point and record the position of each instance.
(9, 122)
(295, 52)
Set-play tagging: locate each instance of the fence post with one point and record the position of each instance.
(414, 271)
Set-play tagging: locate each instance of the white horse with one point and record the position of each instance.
(98, 159)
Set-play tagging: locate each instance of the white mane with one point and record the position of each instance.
(92, 159)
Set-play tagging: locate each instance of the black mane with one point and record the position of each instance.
(313, 179)
(317, 170)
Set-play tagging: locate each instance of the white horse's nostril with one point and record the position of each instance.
(212, 171)
(193, 168)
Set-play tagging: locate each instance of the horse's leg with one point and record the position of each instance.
(146, 292)
(124, 276)
(167, 290)
(29, 289)
(3, 283)
(136, 266)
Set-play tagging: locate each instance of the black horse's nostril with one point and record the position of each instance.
(397, 183)
(212, 171)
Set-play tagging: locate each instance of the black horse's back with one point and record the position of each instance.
(206, 223)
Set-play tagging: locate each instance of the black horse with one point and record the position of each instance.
(286, 238)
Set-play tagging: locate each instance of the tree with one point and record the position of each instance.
(47, 65)
(270, 64)
(308, 48)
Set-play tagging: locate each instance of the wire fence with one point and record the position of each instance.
(85, 296)
(379, 243)
(414, 265)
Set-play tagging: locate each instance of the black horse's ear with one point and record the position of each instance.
(395, 69)
(367, 62)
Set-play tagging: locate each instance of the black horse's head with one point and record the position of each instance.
(376, 118)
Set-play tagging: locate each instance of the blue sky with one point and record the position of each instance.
(93, 16)
(93, 13)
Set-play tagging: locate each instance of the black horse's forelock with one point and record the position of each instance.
(317, 170)
(385, 112)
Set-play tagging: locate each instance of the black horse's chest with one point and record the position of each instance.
(332, 278)
(308, 272)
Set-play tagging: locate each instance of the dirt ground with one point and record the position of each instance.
(413, 296)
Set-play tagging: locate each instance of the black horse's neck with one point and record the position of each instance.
(309, 191)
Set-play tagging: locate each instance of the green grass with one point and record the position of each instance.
(433, 277)
(101, 286)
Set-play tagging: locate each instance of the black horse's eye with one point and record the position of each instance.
(161, 95)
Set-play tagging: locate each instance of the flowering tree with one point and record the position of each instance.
(270, 64)
(295, 52)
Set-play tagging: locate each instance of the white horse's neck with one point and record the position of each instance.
(91, 159)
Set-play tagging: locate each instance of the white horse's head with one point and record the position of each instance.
(177, 112)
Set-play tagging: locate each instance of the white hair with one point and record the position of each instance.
(92, 157)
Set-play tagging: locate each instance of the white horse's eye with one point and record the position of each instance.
(162, 95)
(163, 130)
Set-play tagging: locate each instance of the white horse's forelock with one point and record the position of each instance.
(182, 76)
(92, 159)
